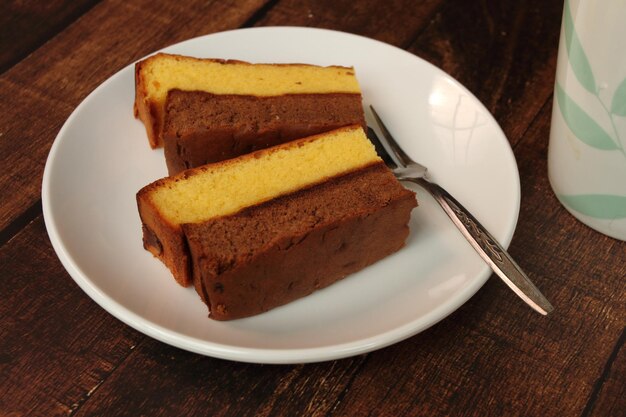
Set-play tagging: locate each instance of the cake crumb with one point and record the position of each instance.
(221, 309)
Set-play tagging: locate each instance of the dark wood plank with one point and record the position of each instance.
(39, 93)
(505, 53)
(26, 25)
(394, 22)
(56, 345)
(196, 385)
(611, 399)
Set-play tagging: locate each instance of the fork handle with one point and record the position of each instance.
(487, 247)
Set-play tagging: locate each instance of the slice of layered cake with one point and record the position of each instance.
(261, 230)
(208, 110)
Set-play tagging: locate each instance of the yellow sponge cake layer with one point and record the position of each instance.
(238, 77)
(158, 74)
(224, 188)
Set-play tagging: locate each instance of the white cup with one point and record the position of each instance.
(587, 149)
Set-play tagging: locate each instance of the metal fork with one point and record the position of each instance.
(405, 169)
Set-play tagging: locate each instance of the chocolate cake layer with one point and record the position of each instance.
(201, 127)
(160, 73)
(273, 253)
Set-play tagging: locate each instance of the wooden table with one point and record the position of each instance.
(61, 354)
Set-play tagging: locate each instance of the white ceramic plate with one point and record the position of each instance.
(101, 158)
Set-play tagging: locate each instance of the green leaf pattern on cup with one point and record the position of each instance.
(586, 129)
(618, 104)
(576, 53)
(581, 124)
(600, 206)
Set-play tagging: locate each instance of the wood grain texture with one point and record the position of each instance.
(611, 387)
(203, 386)
(56, 345)
(61, 354)
(396, 22)
(503, 53)
(25, 25)
(38, 94)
